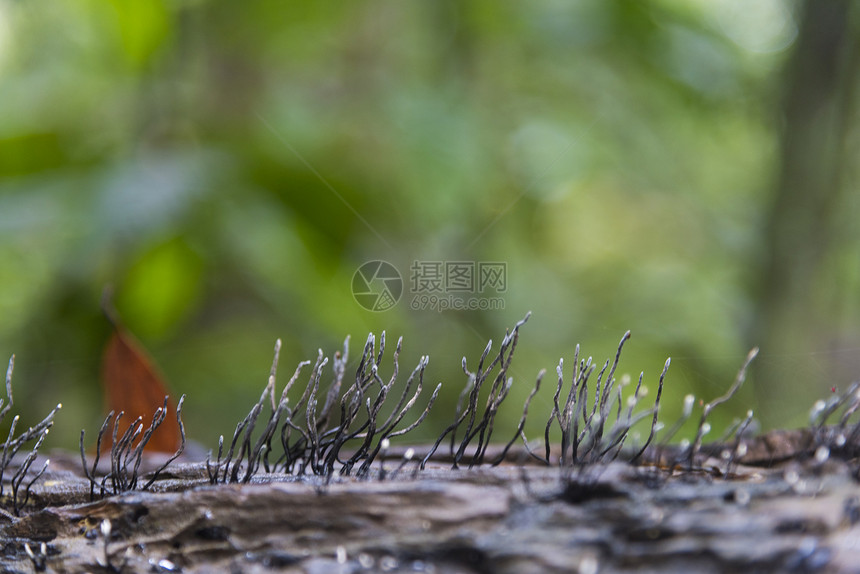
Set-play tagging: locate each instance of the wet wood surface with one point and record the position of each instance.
(798, 513)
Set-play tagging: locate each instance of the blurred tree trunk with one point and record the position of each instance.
(803, 290)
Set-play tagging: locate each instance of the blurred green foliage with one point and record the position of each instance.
(228, 166)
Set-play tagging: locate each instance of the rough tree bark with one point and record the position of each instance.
(798, 511)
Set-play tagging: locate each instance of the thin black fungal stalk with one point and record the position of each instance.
(370, 428)
(599, 420)
(557, 414)
(851, 439)
(105, 530)
(854, 393)
(307, 441)
(588, 417)
(331, 440)
(338, 370)
(687, 411)
(384, 445)
(595, 441)
(119, 478)
(8, 405)
(422, 416)
(113, 467)
(105, 561)
(621, 430)
(824, 410)
(653, 429)
(519, 433)
(363, 451)
(487, 425)
(261, 448)
(570, 434)
(833, 436)
(264, 443)
(607, 391)
(245, 446)
(739, 448)
(19, 476)
(385, 389)
(270, 386)
(294, 454)
(704, 426)
(393, 417)
(179, 450)
(311, 408)
(371, 425)
(730, 431)
(600, 450)
(350, 403)
(618, 435)
(137, 454)
(90, 474)
(246, 425)
(498, 391)
(36, 477)
(127, 451)
(213, 474)
(387, 431)
(576, 436)
(363, 376)
(496, 394)
(467, 389)
(474, 382)
(228, 458)
(595, 424)
(13, 444)
(501, 387)
(598, 447)
(7, 455)
(479, 376)
(315, 435)
(407, 458)
(632, 404)
(40, 559)
(354, 396)
(568, 419)
(287, 427)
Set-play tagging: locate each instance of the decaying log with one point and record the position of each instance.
(794, 517)
(315, 485)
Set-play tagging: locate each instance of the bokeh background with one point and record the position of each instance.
(684, 169)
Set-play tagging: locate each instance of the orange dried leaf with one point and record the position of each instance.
(133, 385)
